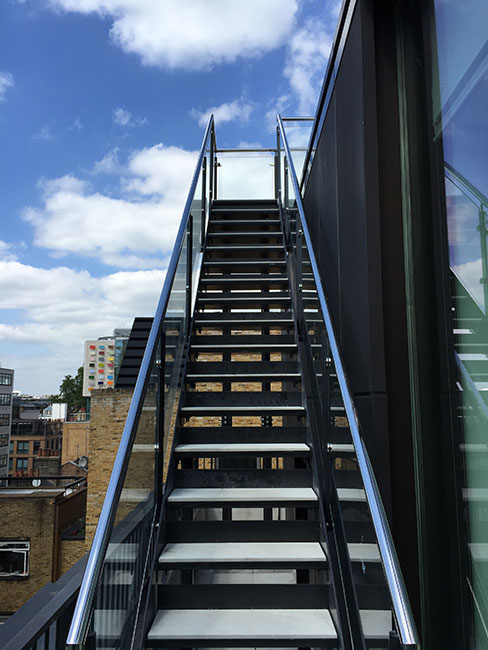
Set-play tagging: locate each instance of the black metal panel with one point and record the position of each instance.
(243, 531)
(243, 478)
(257, 596)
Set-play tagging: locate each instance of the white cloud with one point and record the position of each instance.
(194, 34)
(6, 82)
(236, 110)
(122, 117)
(45, 134)
(61, 308)
(109, 164)
(133, 232)
(306, 61)
(6, 251)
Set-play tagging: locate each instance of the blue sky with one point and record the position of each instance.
(101, 110)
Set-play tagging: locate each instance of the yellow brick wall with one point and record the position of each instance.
(29, 518)
(75, 441)
(107, 419)
(70, 552)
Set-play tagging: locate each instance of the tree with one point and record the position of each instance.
(71, 391)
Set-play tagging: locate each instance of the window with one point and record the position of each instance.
(5, 399)
(23, 447)
(3, 439)
(37, 446)
(11, 449)
(75, 530)
(14, 559)
(22, 463)
(10, 464)
(5, 379)
(3, 460)
(4, 419)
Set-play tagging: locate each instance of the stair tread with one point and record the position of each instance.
(243, 447)
(351, 494)
(248, 409)
(180, 624)
(244, 552)
(180, 495)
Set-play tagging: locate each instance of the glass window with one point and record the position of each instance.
(3, 439)
(3, 460)
(5, 379)
(37, 446)
(459, 100)
(22, 463)
(14, 558)
(4, 419)
(23, 447)
(5, 399)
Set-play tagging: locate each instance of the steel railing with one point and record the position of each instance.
(406, 627)
(84, 606)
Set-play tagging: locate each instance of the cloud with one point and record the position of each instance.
(6, 82)
(122, 117)
(109, 164)
(306, 60)
(45, 134)
(134, 230)
(58, 308)
(6, 251)
(236, 110)
(194, 34)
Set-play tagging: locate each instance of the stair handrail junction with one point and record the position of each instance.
(82, 614)
(406, 627)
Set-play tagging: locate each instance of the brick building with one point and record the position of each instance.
(6, 386)
(42, 535)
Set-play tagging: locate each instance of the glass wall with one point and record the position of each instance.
(459, 44)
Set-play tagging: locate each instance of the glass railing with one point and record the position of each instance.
(369, 563)
(246, 173)
(111, 602)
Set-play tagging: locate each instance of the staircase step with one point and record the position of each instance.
(242, 410)
(241, 627)
(260, 341)
(243, 301)
(244, 320)
(244, 266)
(216, 282)
(243, 478)
(238, 399)
(228, 224)
(352, 494)
(242, 531)
(242, 449)
(199, 435)
(238, 497)
(242, 555)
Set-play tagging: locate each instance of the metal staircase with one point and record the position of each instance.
(255, 519)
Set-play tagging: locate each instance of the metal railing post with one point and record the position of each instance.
(159, 444)
(189, 271)
(204, 202)
(277, 166)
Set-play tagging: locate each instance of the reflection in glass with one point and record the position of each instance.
(460, 100)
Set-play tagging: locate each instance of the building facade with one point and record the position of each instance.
(32, 436)
(102, 359)
(6, 387)
(395, 191)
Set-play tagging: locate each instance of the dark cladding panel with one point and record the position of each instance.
(341, 201)
(323, 214)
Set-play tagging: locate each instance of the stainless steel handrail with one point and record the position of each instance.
(81, 617)
(401, 605)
